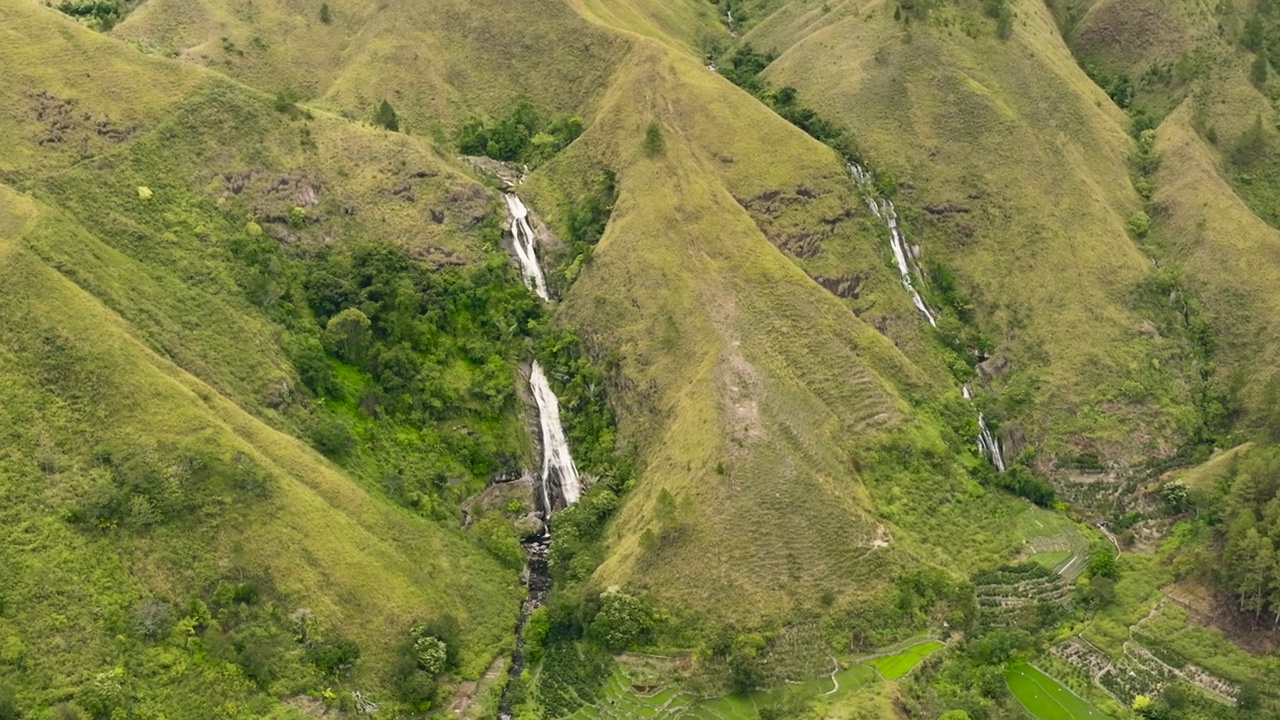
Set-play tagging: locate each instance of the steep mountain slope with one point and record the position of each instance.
(795, 475)
(92, 411)
(744, 384)
(162, 525)
(438, 62)
(1195, 72)
(1018, 182)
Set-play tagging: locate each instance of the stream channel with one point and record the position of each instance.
(558, 482)
(864, 181)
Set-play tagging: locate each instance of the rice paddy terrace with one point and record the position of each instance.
(626, 698)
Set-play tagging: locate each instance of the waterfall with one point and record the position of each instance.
(558, 474)
(525, 245)
(883, 209)
(988, 445)
(558, 469)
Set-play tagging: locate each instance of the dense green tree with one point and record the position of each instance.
(385, 116)
(623, 619)
(8, 704)
(349, 334)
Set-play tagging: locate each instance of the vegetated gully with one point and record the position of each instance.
(864, 181)
(558, 479)
(559, 475)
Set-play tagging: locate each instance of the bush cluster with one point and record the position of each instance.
(522, 136)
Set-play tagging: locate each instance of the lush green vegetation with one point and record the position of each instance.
(1243, 507)
(97, 14)
(747, 436)
(522, 136)
(584, 224)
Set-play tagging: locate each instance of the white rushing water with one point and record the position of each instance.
(988, 444)
(525, 245)
(884, 210)
(558, 470)
(557, 464)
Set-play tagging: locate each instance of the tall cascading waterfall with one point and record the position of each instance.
(558, 469)
(558, 472)
(525, 245)
(882, 208)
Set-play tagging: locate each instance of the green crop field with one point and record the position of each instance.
(1045, 698)
(1053, 541)
(895, 666)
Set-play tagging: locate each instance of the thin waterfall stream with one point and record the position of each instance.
(558, 482)
(864, 181)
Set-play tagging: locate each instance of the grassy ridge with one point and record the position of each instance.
(152, 405)
(437, 64)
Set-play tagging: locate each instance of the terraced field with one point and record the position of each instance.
(1054, 542)
(621, 699)
(1045, 698)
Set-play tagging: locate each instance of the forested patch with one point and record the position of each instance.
(1245, 508)
(521, 136)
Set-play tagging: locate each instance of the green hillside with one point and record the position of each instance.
(268, 447)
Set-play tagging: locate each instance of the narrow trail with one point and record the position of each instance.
(1103, 527)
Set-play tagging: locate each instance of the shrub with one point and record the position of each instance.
(430, 653)
(325, 16)
(1139, 224)
(8, 704)
(1258, 71)
(416, 688)
(332, 438)
(1176, 495)
(333, 656)
(385, 116)
(98, 14)
(623, 619)
(152, 619)
(286, 101)
(349, 334)
(653, 142)
(520, 136)
(67, 711)
(444, 630)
